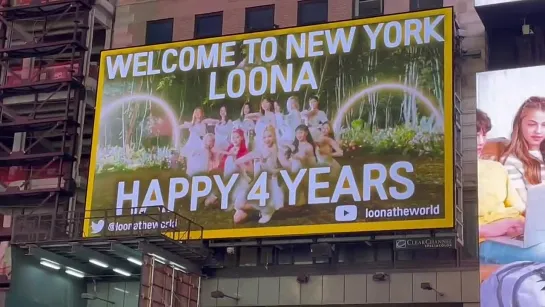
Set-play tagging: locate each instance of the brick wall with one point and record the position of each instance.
(396, 6)
(340, 10)
(132, 15)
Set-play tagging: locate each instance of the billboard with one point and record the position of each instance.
(332, 128)
(511, 148)
(491, 2)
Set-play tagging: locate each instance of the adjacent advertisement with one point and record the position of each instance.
(511, 150)
(333, 128)
(491, 2)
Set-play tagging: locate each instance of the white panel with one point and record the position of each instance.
(269, 290)
(450, 284)
(311, 292)
(355, 289)
(401, 287)
(247, 291)
(207, 286)
(333, 289)
(421, 295)
(511, 87)
(377, 291)
(471, 282)
(290, 291)
(229, 286)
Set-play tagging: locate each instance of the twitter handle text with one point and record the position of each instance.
(142, 225)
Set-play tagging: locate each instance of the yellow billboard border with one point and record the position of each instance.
(446, 222)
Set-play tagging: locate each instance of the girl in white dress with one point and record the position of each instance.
(278, 113)
(263, 119)
(236, 150)
(327, 149)
(271, 162)
(197, 130)
(247, 125)
(283, 130)
(222, 129)
(204, 159)
(314, 117)
(293, 118)
(303, 155)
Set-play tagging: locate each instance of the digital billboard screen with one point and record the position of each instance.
(492, 2)
(511, 148)
(332, 128)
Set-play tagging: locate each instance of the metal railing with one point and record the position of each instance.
(107, 224)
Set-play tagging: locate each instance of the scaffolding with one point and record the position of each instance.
(45, 104)
(458, 146)
(47, 85)
(47, 96)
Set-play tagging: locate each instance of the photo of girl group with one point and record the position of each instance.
(367, 106)
(511, 170)
(264, 141)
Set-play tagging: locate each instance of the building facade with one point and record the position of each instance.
(246, 274)
(289, 271)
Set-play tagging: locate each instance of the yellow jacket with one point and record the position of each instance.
(498, 199)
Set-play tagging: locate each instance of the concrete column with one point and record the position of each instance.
(285, 13)
(396, 6)
(340, 10)
(234, 21)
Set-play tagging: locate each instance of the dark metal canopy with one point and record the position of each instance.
(59, 238)
(511, 14)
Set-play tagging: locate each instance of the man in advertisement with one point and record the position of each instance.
(199, 128)
(500, 210)
(511, 187)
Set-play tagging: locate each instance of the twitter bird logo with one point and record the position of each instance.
(97, 227)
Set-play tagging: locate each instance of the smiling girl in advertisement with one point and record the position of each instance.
(236, 150)
(247, 125)
(524, 164)
(271, 161)
(222, 129)
(512, 273)
(327, 149)
(522, 157)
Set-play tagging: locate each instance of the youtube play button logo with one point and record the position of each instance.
(346, 213)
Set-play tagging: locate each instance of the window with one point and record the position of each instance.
(312, 12)
(159, 31)
(417, 5)
(368, 8)
(259, 18)
(208, 25)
